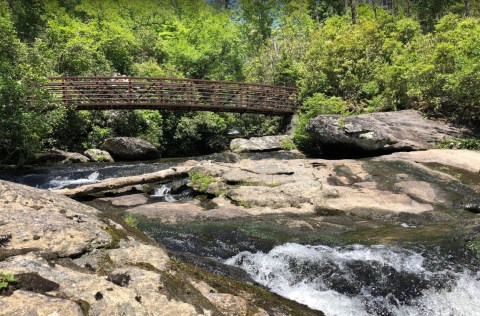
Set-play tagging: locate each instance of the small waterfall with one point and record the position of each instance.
(61, 182)
(164, 192)
(359, 280)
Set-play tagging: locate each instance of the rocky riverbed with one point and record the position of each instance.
(233, 221)
(70, 259)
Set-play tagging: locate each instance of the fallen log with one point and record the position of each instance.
(181, 171)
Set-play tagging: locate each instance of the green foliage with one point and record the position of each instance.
(21, 127)
(6, 280)
(350, 61)
(287, 144)
(198, 133)
(440, 72)
(316, 105)
(200, 181)
(413, 54)
(465, 143)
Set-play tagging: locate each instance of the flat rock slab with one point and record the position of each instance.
(468, 160)
(126, 200)
(255, 144)
(378, 132)
(29, 303)
(391, 185)
(48, 222)
(422, 190)
(173, 212)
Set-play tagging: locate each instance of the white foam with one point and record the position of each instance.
(164, 192)
(284, 271)
(61, 182)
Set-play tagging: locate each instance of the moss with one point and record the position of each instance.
(234, 147)
(242, 203)
(116, 235)
(176, 285)
(287, 143)
(341, 122)
(105, 265)
(256, 297)
(200, 181)
(144, 266)
(131, 220)
(84, 306)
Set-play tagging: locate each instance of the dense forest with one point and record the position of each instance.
(346, 56)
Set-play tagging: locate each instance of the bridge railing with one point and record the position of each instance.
(99, 93)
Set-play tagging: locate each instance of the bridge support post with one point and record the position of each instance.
(288, 124)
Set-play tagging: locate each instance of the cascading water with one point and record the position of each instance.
(359, 280)
(61, 182)
(164, 192)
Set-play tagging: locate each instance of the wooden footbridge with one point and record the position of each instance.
(116, 93)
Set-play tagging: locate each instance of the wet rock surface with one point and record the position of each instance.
(378, 133)
(68, 259)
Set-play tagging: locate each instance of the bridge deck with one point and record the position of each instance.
(102, 93)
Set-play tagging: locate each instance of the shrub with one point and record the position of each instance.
(200, 181)
(316, 105)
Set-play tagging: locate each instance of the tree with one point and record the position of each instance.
(22, 127)
(467, 8)
(353, 8)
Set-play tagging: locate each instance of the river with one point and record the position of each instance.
(340, 265)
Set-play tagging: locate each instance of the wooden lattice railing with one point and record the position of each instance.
(101, 93)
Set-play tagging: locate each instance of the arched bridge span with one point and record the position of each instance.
(106, 93)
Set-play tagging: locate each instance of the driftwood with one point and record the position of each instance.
(125, 181)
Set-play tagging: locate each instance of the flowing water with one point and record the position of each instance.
(340, 265)
(360, 280)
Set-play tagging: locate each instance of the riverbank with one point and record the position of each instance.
(214, 226)
(73, 260)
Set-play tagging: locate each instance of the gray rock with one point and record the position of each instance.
(265, 143)
(130, 148)
(48, 222)
(97, 155)
(55, 156)
(379, 132)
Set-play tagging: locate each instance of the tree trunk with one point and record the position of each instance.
(374, 7)
(394, 7)
(118, 183)
(467, 8)
(353, 6)
(409, 8)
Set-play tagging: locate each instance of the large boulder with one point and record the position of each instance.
(97, 155)
(68, 259)
(130, 148)
(48, 222)
(55, 156)
(255, 144)
(378, 133)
